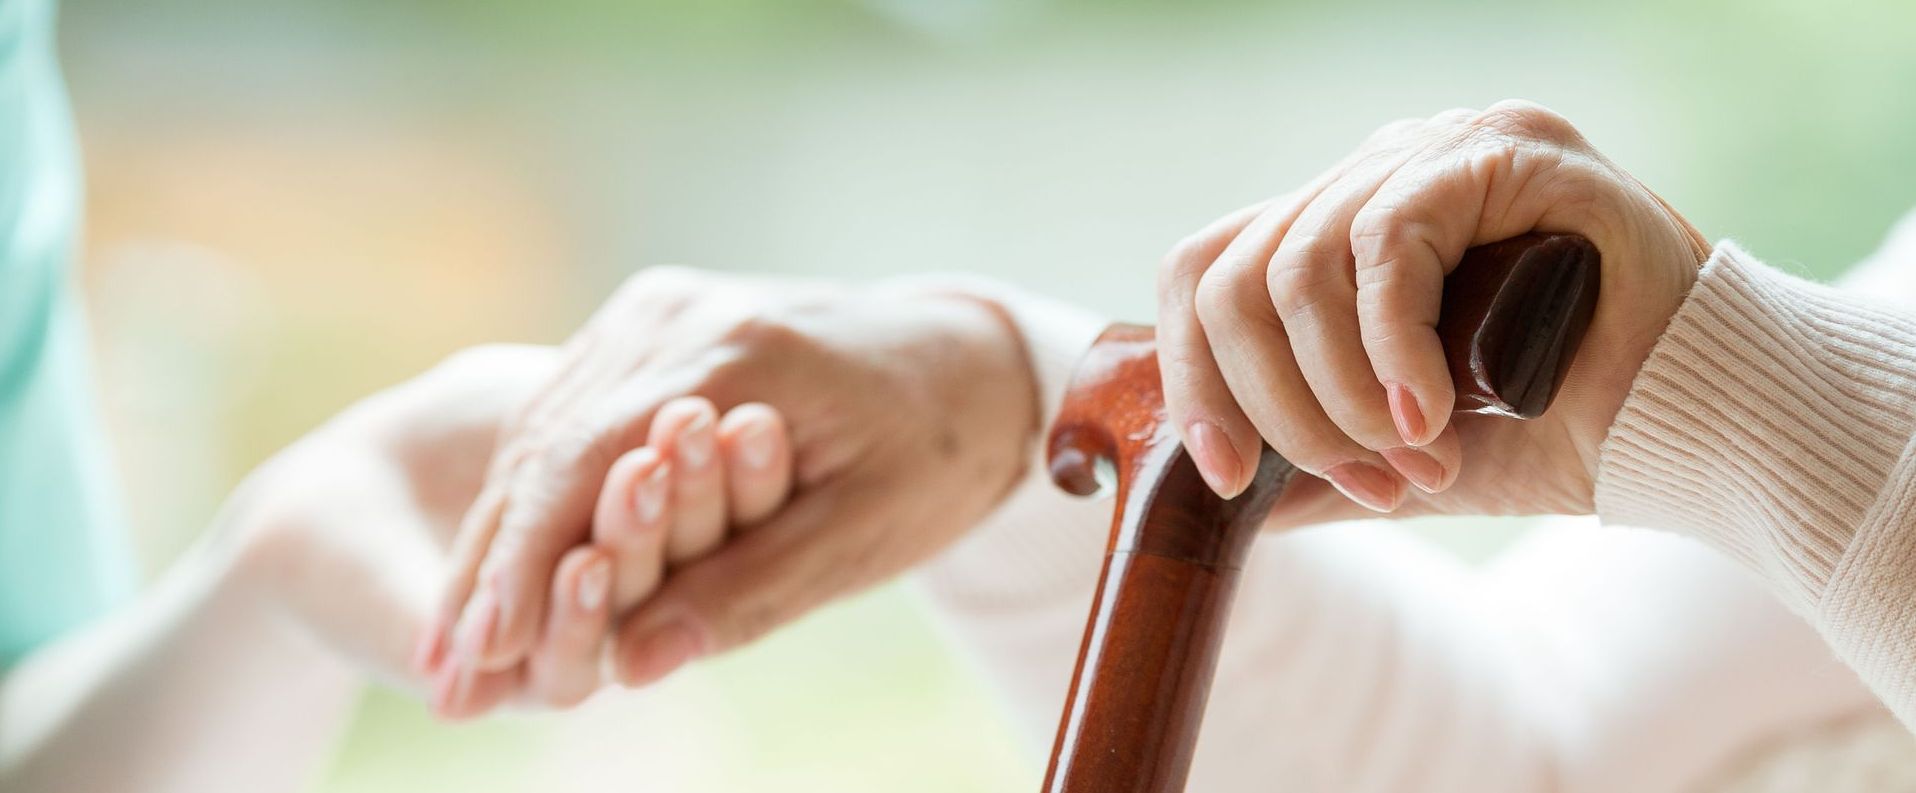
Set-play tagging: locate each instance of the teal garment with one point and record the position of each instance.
(63, 557)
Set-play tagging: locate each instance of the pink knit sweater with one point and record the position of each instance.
(1773, 422)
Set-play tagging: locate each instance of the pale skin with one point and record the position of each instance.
(1305, 321)
(909, 417)
(318, 572)
(638, 490)
(1308, 321)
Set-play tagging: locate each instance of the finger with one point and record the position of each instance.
(1481, 185)
(1221, 441)
(550, 499)
(565, 668)
(456, 696)
(1432, 467)
(580, 371)
(686, 432)
(1311, 285)
(461, 689)
(475, 536)
(630, 522)
(759, 581)
(577, 366)
(1253, 354)
(1219, 437)
(758, 462)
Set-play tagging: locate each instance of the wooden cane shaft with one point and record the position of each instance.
(1514, 313)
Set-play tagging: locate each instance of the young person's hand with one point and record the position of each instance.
(732, 472)
(1308, 321)
(347, 533)
(910, 416)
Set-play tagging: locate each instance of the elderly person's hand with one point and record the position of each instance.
(1308, 321)
(348, 532)
(910, 415)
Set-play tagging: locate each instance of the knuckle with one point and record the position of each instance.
(1182, 364)
(1373, 228)
(1299, 289)
(1218, 301)
(762, 333)
(1527, 121)
(1184, 262)
(1309, 450)
(1383, 317)
(572, 447)
(750, 349)
(1384, 234)
(1383, 335)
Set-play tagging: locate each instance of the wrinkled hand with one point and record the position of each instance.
(349, 531)
(909, 416)
(1308, 321)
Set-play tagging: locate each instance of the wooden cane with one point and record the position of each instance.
(1513, 315)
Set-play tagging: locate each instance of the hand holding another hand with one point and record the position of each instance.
(348, 533)
(909, 415)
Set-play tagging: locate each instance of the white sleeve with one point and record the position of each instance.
(1360, 657)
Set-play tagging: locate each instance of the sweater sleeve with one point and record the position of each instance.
(1774, 420)
(1361, 658)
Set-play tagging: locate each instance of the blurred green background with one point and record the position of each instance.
(295, 202)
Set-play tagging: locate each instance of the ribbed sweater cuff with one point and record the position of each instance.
(1765, 422)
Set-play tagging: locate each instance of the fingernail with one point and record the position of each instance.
(670, 648)
(649, 500)
(1421, 469)
(442, 683)
(755, 447)
(1216, 458)
(482, 614)
(695, 441)
(1407, 415)
(463, 679)
(1365, 484)
(593, 583)
(425, 651)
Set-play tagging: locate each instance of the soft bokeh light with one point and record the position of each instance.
(294, 202)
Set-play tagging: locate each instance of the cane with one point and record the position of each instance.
(1513, 315)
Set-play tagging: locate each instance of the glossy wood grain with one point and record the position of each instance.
(1514, 313)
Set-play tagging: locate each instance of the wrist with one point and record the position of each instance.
(994, 391)
(236, 576)
(252, 543)
(1637, 309)
(1768, 417)
(1053, 334)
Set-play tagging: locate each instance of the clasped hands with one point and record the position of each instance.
(711, 456)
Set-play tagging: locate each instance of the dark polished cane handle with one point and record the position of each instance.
(1513, 315)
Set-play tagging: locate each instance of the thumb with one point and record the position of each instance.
(803, 557)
